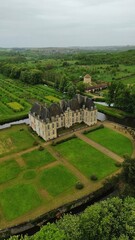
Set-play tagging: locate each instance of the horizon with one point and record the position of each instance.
(75, 46)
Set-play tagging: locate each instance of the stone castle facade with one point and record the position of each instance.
(45, 121)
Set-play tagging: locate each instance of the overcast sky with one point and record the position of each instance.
(63, 23)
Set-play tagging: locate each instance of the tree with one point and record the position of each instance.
(128, 175)
(81, 87)
(71, 226)
(32, 76)
(111, 219)
(49, 232)
(71, 90)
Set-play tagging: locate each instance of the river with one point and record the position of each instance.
(8, 125)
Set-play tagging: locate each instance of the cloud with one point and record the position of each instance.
(65, 22)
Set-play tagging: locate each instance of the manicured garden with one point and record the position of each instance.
(36, 181)
(18, 199)
(57, 180)
(86, 159)
(15, 139)
(112, 140)
(9, 170)
(37, 158)
(17, 98)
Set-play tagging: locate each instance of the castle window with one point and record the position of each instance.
(48, 126)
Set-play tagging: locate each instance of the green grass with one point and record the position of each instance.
(15, 139)
(22, 139)
(57, 180)
(38, 158)
(9, 170)
(28, 175)
(129, 80)
(86, 158)
(18, 200)
(114, 112)
(112, 140)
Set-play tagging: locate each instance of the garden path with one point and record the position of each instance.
(65, 162)
(120, 129)
(99, 147)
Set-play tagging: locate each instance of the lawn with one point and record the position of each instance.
(112, 140)
(38, 158)
(15, 139)
(8, 170)
(86, 158)
(18, 200)
(57, 180)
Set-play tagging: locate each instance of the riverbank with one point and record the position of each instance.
(8, 125)
(114, 112)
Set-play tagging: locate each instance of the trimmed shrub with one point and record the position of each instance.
(117, 164)
(63, 140)
(93, 178)
(22, 129)
(41, 148)
(93, 129)
(79, 185)
(35, 143)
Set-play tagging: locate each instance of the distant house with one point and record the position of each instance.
(46, 120)
(87, 79)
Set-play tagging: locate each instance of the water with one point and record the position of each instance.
(105, 104)
(8, 125)
(101, 117)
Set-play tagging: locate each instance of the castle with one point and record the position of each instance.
(46, 120)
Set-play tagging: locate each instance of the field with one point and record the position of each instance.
(9, 170)
(57, 180)
(112, 140)
(15, 139)
(24, 198)
(42, 178)
(17, 98)
(90, 161)
(37, 158)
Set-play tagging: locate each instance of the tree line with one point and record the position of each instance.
(121, 96)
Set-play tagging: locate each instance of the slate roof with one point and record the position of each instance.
(55, 109)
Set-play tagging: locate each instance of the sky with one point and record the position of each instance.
(65, 23)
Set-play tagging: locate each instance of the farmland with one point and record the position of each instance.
(44, 173)
(29, 76)
(17, 98)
